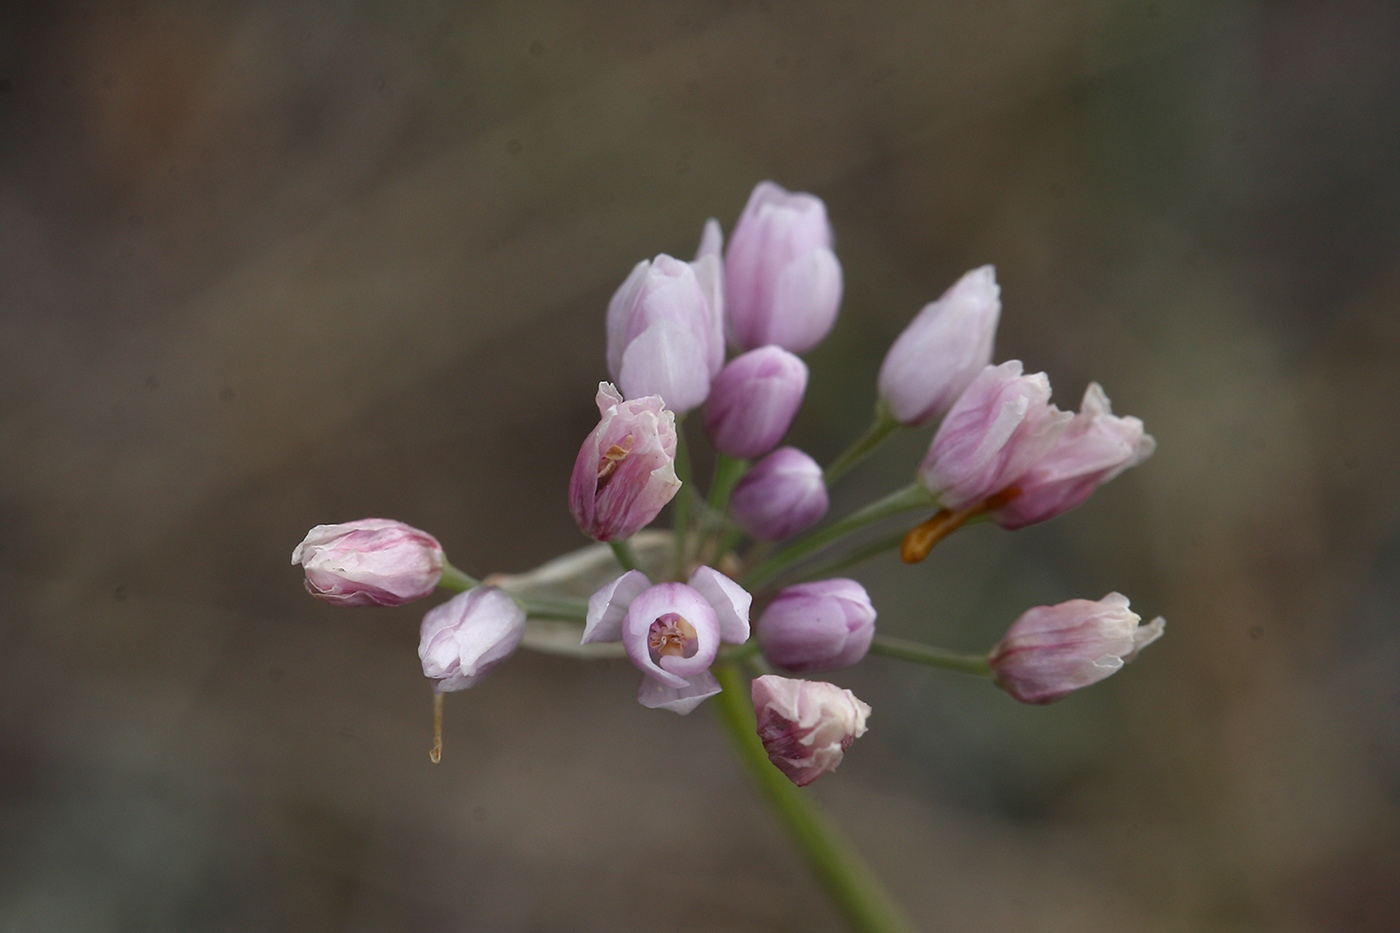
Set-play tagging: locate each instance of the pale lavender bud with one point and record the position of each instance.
(370, 562)
(942, 350)
(665, 331)
(806, 725)
(1096, 446)
(625, 472)
(465, 637)
(671, 631)
(782, 281)
(1053, 650)
(820, 626)
(753, 401)
(781, 495)
(999, 428)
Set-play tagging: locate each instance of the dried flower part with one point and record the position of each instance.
(780, 496)
(1095, 447)
(805, 725)
(625, 472)
(999, 428)
(370, 562)
(464, 638)
(782, 281)
(671, 631)
(1051, 651)
(824, 625)
(942, 350)
(666, 331)
(753, 401)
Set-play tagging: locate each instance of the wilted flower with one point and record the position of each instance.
(1000, 427)
(806, 725)
(1052, 650)
(666, 332)
(671, 631)
(1095, 447)
(461, 640)
(753, 401)
(370, 562)
(942, 350)
(782, 282)
(625, 472)
(782, 494)
(819, 626)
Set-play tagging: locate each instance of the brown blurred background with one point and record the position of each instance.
(268, 265)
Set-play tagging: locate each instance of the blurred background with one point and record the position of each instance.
(268, 265)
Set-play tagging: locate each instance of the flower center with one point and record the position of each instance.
(613, 456)
(671, 635)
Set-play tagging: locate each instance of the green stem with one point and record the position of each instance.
(907, 499)
(728, 471)
(624, 553)
(850, 559)
(927, 654)
(847, 879)
(453, 579)
(569, 610)
(882, 427)
(680, 515)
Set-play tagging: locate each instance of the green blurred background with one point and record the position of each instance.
(267, 265)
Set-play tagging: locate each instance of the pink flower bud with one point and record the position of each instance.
(806, 725)
(465, 637)
(1052, 650)
(782, 495)
(999, 428)
(753, 401)
(820, 626)
(942, 350)
(1095, 447)
(671, 631)
(782, 281)
(625, 472)
(370, 562)
(665, 331)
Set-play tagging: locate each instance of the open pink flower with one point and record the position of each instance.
(672, 631)
(625, 472)
(369, 562)
(806, 725)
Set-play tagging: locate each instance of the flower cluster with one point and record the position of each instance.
(681, 610)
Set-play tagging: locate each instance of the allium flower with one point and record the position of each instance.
(1000, 427)
(942, 350)
(753, 401)
(1052, 650)
(782, 494)
(824, 625)
(666, 331)
(465, 637)
(625, 472)
(1095, 447)
(782, 282)
(671, 631)
(370, 562)
(806, 725)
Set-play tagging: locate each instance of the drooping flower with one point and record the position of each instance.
(782, 282)
(824, 625)
(625, 472)
(753, 401)
(1000, 427)
(464, 638)
(666, 331)
(369, 562)
(1095, 447)
(942, 350)
(1052, 650)
(806, 725)
(672, 631)
(781, 495)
